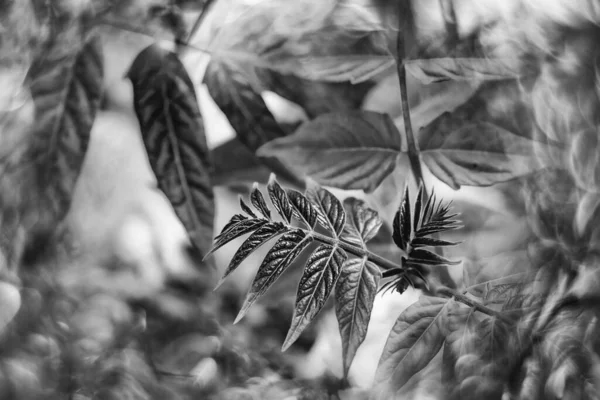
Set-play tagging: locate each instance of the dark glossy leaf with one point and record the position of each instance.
(354, 296)
(280, 199)
(419, 203)
(302, 208)
(232, 222)
(287, 248)
(262, 235)
(237, 230)
(415, 339)
(173, 133)
(426, 257)
(259, 202)
(402, 223)
(364, 220)
(320, 276)
(433, 70)
(353, 150)
(66, 86)
(245, 208)
(330, 211)
(426, 241)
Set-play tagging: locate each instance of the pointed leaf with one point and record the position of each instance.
(320, 276)
(280, 199)
(426, 257)
(354, 296)
(468, 69)
(262, 235)
(245, 208)
(173, 132)
(287, 248)
(418, 205)
(237, 230)
(364, 220)
(331, 212)
(66, 87)
(259, 202)
(402, 227)
(426, 241)
(354, 150)
(232, 222)
(302, 208)
(415, 339)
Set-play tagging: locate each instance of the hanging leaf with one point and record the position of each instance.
(66, 87)
(280, 257)
(320, 276)
(364, 221)
(330, 211)
(346, 150)
(415, 339)
(262, 235)
(354, 296)
(433, 70)
(280, 199)
(173, 132)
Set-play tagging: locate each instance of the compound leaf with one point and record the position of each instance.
(320, 276)
(350, 150)
(354, 296)
(287, 248)
(173, 133)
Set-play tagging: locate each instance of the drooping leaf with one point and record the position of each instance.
(365, 222)
(259, 202)
(415, 339)
(173, 132)
(287, 248)
(66, 86)
(402, 223)
(354, 296)
(245, 208)
(433, 70)
(320, 276)
(346, 150)
(261, 236)
(330, 211)
(302, 208)
(235, 231)
(280, 199)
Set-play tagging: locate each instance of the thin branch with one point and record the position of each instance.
(472, 303)
(199, 20)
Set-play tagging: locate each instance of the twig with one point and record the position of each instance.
(199, 20)
(472, 303)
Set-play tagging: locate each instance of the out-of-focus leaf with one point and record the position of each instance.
(433, 70)
(481, 275)
(261, 236)
(587, 208)
(354, 296)
(353, 68)
(345, 150)
(278, 259)
(302, 208)
(280, 199)
(66, 87)
(235, 231)
(402, 223)
(320, 276)
(476, 154)
(532, 384)
(415, 339)
(258, 201)
(364, 220)
(173, 132)
(330, 211)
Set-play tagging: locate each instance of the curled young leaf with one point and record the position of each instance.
(173, 133)
(351, 150)
(354, 296)
(320, 276)
(287, 248)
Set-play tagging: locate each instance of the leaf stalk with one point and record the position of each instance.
(472, 303)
